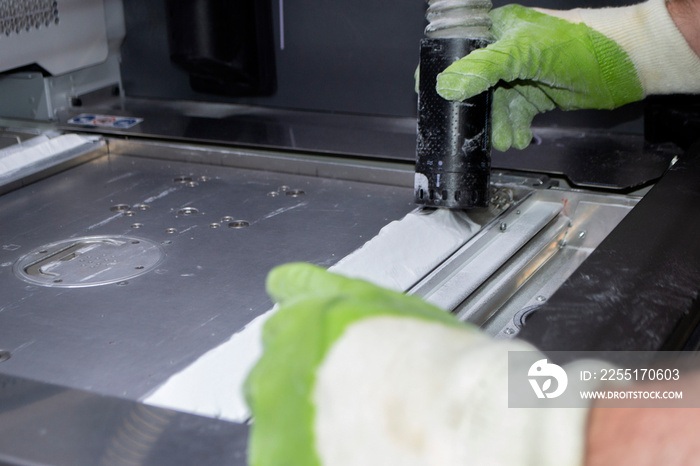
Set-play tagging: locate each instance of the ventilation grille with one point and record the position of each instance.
(17, 16)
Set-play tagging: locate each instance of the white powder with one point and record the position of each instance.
(402, 253)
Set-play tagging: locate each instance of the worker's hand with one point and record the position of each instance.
(353, 374)
(577, 59)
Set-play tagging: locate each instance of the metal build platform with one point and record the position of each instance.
(191, 245)
(143, 256)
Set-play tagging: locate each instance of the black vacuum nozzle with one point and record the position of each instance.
(453, 156)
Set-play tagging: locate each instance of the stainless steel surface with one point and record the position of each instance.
(585, 157)
(127, 337)
(346, 134)
(475, 262)
(89, 261)
(44, 424)
(516, 262)
(394, 173)
(518, 269)
(592, 217)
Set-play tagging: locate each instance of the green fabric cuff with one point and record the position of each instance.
(617, 69)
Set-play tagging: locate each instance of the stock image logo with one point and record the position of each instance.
(542, 373)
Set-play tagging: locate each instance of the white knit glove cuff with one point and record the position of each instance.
(664, 61)
(405, 392)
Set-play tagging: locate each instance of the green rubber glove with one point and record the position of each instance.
(546, 62)
(315, 308)
(576, 59)
(356, 375)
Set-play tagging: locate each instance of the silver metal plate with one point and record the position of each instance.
(127, 340)
(89, 261)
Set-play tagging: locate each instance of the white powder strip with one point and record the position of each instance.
(23, 155)
(402, 253)
(212, 386)
(405, 251)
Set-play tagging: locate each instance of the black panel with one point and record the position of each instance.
(225, 46)
(674, 118)
(591, 159)
(350, 56)
(47, 424)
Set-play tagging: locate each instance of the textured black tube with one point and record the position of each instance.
(453, 152)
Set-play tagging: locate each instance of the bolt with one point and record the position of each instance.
(238, 224)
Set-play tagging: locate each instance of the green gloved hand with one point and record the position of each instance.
(577, 59)
(356, 375)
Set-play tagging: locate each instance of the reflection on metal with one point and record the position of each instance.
(188, 211)
(136, 436)
(127, 338)
(119, 208)
(396, 173)
(469, 267)
(499, 278)
(489, 298)
(89, 261)
(42, 156)
(42, 424)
